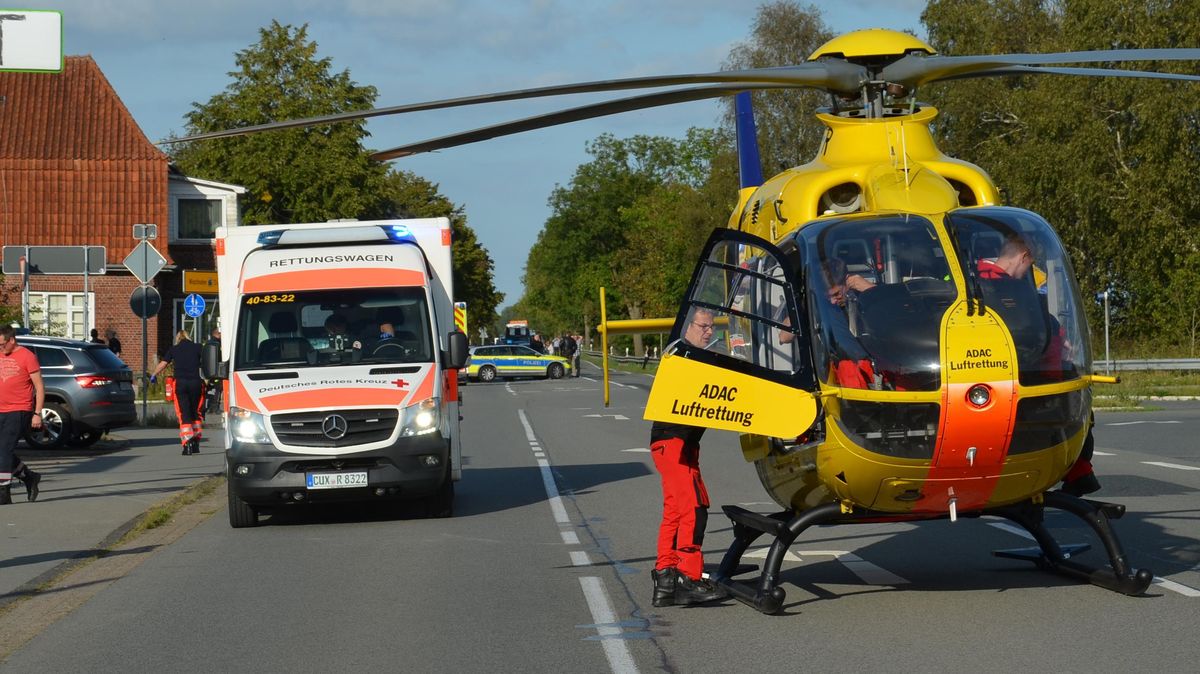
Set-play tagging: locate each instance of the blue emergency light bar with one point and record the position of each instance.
(336, 235)
(270, 238)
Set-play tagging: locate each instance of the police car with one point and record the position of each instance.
(513, 360)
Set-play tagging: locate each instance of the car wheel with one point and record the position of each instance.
(555, 371)
(241, 514)
(85, 438)
(487, 373)
(55, 430)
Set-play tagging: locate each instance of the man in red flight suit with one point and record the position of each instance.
(1014, 261)
(675, 449)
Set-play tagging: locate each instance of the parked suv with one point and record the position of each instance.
(88, 391)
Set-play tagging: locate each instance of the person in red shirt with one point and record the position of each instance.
(21, 392)
(1014, 261)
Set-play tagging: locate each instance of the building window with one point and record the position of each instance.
(199, 218)
(60, 314)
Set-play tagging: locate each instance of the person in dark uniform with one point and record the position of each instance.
(675, 449)
(189, 390)
(114, 344)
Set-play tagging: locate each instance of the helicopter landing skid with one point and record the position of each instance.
(1051, 556)
(767, 596)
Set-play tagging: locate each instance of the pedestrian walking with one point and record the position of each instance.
(21, 394)
(96, 337)
(189, 390)
(569, 349)
(114, 344)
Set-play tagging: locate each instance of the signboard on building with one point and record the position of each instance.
(203, 282)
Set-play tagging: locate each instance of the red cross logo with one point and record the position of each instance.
(400, 383)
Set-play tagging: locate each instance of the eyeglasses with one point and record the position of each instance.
(703, 326)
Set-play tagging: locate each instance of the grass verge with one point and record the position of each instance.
(162, 513)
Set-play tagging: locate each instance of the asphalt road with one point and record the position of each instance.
(546, 568)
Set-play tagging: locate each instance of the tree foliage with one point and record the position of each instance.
(297, 175)
(610, 227)
(411, 196)
(783, 33)
(323, 172)
(1103, 159)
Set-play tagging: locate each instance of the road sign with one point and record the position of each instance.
(145, 231)
(199, 281)
(145, 301)
(56, 259)
(34, 40)
(193, 305)
(144, 261)
(460, 316)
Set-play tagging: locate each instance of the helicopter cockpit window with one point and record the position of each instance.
(740, 307)
(1019, 269)
(877, 289)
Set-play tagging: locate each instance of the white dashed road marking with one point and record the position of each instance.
(1176, 466)
(610, 631)
(1134, 423)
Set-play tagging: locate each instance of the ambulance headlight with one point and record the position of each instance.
(420, 418)
(248, 426)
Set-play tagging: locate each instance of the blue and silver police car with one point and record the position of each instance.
(513, 360)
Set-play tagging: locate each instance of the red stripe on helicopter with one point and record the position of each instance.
(972, 446)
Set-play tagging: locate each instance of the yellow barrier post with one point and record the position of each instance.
(604, 343)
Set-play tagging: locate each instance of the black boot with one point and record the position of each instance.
(31, 480)
(664, 586)
(187, 448)
(5, 494)
(1082, 485)
(688, 591)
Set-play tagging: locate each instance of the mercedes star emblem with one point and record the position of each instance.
(334, 427)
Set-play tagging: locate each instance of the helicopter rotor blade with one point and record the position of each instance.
(834, 74)
(576, 114)
(1085, 72)
(916, 69)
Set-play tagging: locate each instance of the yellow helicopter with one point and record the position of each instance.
(891, 343)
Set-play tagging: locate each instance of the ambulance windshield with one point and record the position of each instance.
(333, 327)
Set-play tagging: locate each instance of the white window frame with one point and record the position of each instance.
(40, 316)
(176, 198)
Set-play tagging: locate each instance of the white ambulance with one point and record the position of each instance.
(340, 357)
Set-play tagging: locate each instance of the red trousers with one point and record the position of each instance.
(685, 506)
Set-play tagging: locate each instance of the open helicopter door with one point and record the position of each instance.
(739, 358)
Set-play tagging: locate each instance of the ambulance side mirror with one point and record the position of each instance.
(457, 355)
(210, 362)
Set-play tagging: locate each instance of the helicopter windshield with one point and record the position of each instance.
(1021, 271)
(877, 289)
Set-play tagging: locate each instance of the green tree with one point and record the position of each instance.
(410, 195)
(585, 243)
(784, 32)
(1107, 161)
(297, 175)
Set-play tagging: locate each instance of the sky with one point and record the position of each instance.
(163, 56)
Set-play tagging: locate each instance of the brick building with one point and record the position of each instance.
(76, 170)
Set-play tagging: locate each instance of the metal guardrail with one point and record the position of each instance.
(1147, 364)
(638, 360)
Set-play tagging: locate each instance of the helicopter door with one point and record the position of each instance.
(739, 358)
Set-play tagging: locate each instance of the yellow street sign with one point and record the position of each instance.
(203, 282)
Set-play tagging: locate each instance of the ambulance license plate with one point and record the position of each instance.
(335, 480)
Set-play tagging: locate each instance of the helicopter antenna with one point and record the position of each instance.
(749, 161)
